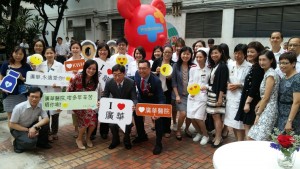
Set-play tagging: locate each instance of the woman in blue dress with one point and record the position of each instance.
(289, 94)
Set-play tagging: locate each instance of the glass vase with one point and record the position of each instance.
(286, 161)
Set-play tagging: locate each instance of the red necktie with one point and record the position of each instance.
(143, 85)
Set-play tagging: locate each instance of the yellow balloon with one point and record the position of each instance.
(64, 104)
(166, 70)
(121, 60)
(193, 89)
(36, 59)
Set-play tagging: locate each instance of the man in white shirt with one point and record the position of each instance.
(25, 45)
(276, 39)
(25, 126)
(122, 44)
(294, 45)
(68, 42)
(62, 51)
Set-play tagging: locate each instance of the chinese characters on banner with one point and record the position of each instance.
(105, 71)
(115, 111)
(48, 79)
(70, 100)
(154, 110)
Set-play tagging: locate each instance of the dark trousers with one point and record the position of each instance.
(23, 142)
(140, 128)
(114, 128)
(167, 120)
(104, 128)
(53, 127)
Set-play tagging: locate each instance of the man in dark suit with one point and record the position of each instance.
(150, 91)
(120, 87)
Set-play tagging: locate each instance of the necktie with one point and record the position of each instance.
(143, 85)
(120, 87)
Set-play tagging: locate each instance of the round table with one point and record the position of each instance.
(248, 154)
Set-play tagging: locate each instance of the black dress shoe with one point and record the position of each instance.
(104, 136)
(18, 150)
(112, 146)
(93, 137)
(128, 146)
(218, 145)
(45, 146)
(157, 150)
(140, 139)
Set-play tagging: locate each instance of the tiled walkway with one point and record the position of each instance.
(176, 154)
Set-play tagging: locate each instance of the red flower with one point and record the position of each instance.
(286, 141)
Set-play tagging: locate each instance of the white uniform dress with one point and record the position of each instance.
(197, 104)
(132, 68)
(57, 67)
(237, 75)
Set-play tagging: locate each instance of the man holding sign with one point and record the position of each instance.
(120, 87)
(150, 91)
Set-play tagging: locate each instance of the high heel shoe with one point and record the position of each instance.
(82, 147)
(218, 145)
(89, 143)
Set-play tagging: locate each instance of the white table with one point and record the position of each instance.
(248, 155)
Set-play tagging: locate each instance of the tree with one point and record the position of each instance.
(40, 7)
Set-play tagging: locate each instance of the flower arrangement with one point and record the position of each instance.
(287, 144)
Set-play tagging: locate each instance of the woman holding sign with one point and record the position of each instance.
(180, 79)
(17, 63)
(51, 65)
(197, 103)
(102, 55)
(76, 51)
(166, 82)
(87, 80)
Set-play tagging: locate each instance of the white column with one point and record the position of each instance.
(227, 28)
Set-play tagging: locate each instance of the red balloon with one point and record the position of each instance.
(145, 25)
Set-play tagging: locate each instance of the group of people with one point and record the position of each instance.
(251, 92)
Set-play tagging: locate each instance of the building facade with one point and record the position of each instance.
(227, 21)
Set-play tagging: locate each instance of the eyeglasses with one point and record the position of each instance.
(284, 63)
(293, 45)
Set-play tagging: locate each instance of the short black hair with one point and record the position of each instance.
(59, 38)
(118, 67)
(270, 55)
(290, 56)
(241, 47)
(145, 61)
(100, 46)
(281, 35)
(122, 40)
(34, 90)
(211, 41)
(154, 49)
(258, 48)
(141, 50)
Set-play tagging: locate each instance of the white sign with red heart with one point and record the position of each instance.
(105, 71)
(116, 111)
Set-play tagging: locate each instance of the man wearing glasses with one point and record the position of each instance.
(294, 45)
(25, 126)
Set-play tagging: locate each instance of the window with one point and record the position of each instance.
(70, 24)
(117, 28)
(204, 25)
(260, 22)
(88, 24)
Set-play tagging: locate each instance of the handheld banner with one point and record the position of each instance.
(154, 110)
(74, 65)
(193, 89)
(70, 100)
(48, 79)
(115, 111)
(105, 72)
(166, 70)
(9, 82)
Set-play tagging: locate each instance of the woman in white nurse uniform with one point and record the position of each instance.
(237, 73)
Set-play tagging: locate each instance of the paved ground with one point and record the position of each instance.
(65, 154)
